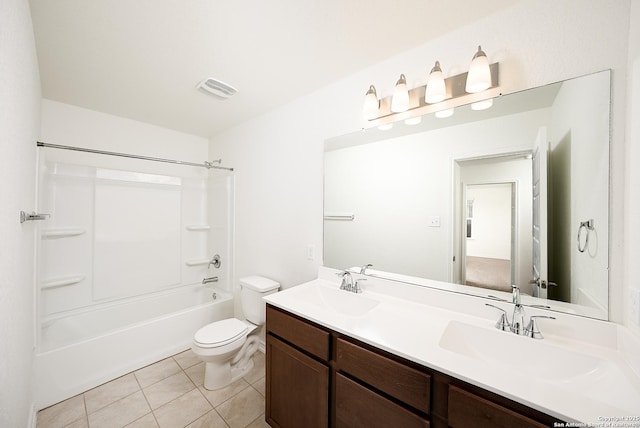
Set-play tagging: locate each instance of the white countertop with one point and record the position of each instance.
(413, 323)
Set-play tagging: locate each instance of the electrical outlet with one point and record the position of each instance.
(434, 221)
(634, 305)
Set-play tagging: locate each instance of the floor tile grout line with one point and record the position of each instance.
(146, 400)
(184, 372)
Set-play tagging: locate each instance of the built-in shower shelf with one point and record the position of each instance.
(197, 262)
(61, 282)
(62, 232)
(198, 227)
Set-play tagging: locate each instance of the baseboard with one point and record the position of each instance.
(33, 417)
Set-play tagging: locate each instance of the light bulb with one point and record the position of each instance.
(371, 104)
(479, 75)
(413, 120)
(482, 105)
(444, 113)
(436, 90)
(385, 127)
(400, 99)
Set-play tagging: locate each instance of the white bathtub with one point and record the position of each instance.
(84, 350)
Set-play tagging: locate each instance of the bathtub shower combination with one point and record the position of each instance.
(121, 260)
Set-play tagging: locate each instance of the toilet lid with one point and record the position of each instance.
(220, 333)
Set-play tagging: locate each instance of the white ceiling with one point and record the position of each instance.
(142, 59)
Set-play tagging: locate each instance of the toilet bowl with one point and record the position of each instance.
(227, 346)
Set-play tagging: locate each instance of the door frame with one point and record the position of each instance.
(458, 201)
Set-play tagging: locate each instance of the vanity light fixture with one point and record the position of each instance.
(476, 87)
(413, 120)
(385, 127)
(436, 90)
(400, 99)
(445, 113)
(482, 105)
(479, 75)
(371, 104)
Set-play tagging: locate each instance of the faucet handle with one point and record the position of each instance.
(532, 328)
(503, 321)
(356, 287)
(347, 280)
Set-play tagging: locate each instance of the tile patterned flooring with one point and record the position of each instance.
(167, 394)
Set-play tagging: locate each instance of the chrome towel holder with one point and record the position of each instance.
(587, 226)
(33, 216)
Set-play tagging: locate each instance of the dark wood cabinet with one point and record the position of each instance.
(319, 378)
(398, 380)
(467, 409)
(357, 406)
(300, 395)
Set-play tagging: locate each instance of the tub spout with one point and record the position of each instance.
(210, 279)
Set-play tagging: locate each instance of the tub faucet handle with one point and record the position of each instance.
(215, 261)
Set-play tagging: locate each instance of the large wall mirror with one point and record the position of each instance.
(514, 194)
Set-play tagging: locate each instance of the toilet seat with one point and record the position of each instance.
(220, 333)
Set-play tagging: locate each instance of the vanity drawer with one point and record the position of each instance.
(469, 410)
(358, 406)
(402, 382)
(302, 334)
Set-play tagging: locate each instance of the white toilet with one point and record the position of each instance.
(227, 346)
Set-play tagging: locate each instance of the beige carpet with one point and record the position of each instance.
(488, 273)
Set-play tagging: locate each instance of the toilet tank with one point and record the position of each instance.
(253, 289)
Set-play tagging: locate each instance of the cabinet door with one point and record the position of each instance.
(297, 388)
(360, 407)
(469, 410)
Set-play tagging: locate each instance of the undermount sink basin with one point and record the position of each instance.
(518, 354)
(342, 302)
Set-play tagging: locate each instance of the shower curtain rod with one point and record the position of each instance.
(205, 164)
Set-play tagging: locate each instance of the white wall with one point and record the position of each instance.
(75, 126)
(279, 155)
(491, 224)
(19, 119)
(632, 172)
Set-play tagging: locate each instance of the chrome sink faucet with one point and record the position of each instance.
(348, 284)
(363, 269)
(517, 320)
(517, 324)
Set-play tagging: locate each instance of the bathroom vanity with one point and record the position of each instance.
(341, 359)
(317, 377)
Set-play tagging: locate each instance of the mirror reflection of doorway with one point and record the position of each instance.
(490, 235)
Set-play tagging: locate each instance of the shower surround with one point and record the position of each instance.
(120, 265)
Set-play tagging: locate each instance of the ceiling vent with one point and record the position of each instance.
(216, 88)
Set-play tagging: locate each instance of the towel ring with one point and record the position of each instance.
(587, 226)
